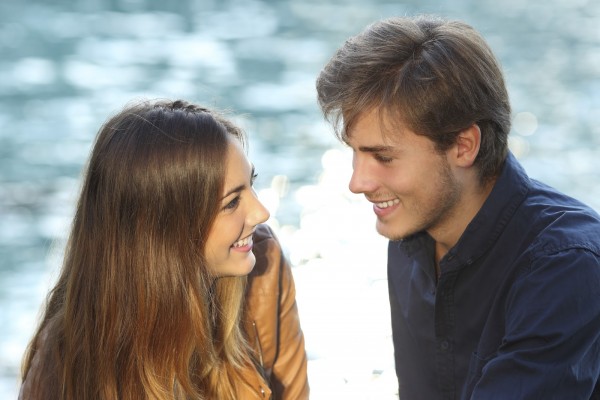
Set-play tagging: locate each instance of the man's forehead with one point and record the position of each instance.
(375, 132)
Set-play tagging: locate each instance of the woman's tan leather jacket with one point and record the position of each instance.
(272, 322)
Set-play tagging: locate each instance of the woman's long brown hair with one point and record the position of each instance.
(135, 313)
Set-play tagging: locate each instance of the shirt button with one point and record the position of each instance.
(445, 345)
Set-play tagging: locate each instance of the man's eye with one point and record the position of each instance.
(383, 159)
(232, 204)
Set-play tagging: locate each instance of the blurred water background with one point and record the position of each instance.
(66, 65)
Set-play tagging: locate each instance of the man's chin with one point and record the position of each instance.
(387, 233)
(391, 234)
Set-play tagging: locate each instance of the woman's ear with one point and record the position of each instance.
(467, 146)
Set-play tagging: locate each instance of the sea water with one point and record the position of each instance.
(66, 66)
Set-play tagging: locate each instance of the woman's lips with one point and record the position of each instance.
(244, 244)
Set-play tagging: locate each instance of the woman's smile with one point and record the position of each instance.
(244, 244)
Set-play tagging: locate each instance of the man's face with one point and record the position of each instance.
(410, 183)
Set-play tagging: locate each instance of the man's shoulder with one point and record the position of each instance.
(559, 221)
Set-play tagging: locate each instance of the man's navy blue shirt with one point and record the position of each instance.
(515, 313)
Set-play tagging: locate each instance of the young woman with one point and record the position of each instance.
(153, 300)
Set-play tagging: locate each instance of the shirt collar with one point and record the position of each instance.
(508, 193)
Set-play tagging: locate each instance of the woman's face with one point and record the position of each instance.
(229, 245)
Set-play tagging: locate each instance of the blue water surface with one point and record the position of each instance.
(66, 65)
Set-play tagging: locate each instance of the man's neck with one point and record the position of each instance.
(447, 234)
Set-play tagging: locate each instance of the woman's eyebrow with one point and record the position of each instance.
(241, 187)
(238, 188)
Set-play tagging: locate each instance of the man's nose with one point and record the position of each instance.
(362, 178)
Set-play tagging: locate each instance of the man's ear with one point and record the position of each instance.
(467, 145)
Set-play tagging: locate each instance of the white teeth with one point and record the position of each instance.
(386, 204)
(243, 242)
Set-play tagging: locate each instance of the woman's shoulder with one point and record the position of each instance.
(264, 232)
(41, 374)
(267, 251)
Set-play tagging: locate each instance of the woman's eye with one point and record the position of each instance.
(254, 176)
(232, 204)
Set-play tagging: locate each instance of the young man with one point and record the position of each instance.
(494, 278)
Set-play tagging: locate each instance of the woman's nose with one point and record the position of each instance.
(258, 212)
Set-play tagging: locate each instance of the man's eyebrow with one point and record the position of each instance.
(375, 149)
(241, 187)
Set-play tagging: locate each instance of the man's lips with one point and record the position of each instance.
(386, 203)
(386, 207)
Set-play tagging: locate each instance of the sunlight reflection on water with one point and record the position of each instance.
(65, 70)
